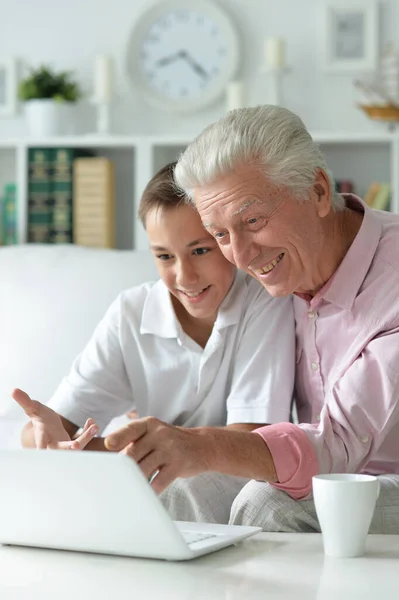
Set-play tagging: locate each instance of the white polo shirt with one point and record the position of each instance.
(139, 358)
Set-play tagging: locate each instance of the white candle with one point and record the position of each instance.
(103, 78)
(275, 53)
(235, 95)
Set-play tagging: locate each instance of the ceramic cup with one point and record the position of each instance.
(345, 505)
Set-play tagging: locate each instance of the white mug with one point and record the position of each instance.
(345, 505)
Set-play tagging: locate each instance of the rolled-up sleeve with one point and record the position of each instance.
(294, 458)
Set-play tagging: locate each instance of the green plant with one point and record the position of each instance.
(43, 82)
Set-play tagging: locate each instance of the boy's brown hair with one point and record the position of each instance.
(160, 192)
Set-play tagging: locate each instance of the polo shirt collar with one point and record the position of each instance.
(159, 318)
(343, 287)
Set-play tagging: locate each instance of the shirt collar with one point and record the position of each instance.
(342, 288)
(159, 318)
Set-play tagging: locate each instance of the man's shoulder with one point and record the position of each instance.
(380, 288)
(388, 247)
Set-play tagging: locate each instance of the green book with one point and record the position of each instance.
(40, 201)
(61, 231)
(9, 215)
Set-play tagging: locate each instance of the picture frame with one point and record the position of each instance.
(351, 29)
(8, 86)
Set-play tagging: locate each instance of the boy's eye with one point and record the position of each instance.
(201, 251)
(163, 256)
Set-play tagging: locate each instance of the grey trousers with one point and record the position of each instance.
(215, 498)
(205, 498)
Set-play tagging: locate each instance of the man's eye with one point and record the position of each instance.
(219, 235)
(252, 220)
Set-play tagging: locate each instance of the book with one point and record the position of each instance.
(94, 202)
(40, 201)
(382, 198)
(371, 193)
(62, 160)
(9, 215)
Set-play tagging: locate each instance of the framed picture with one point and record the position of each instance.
(8, 87)
(350, 35)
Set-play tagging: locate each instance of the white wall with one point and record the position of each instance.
(69, 34)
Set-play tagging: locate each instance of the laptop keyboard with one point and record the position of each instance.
(191, 537)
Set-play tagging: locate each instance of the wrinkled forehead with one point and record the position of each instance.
(233, 197)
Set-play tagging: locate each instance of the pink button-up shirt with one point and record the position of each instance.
(347, 371)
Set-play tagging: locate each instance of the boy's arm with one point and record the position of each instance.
(28, 434)
(263, 366)
(97, 384)
(47, 429)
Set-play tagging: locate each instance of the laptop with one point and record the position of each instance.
(96, 502)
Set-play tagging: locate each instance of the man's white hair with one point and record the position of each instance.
(269, 136)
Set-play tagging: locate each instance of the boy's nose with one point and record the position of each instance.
(186, 274)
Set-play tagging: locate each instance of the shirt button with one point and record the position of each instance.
(315, 366)
(364, 439)
(311, 314)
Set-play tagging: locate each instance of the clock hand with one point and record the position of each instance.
(196, 67)
(168, 59)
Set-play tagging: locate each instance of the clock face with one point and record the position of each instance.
(183, 54)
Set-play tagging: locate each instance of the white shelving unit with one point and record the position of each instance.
(363, 158)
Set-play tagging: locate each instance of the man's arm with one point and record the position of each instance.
(236, 452)
(98, 443)
(185, 452)
(245, 426)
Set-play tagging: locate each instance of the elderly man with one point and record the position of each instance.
(262, 189)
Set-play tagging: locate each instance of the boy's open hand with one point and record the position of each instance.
(48, 429)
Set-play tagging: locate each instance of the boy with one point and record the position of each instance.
(203, 346)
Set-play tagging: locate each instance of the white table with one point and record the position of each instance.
(267, 566)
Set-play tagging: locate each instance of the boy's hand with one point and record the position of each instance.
(48, 429)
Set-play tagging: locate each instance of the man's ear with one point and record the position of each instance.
(323, 192)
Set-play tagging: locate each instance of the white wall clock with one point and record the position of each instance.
(182, 53)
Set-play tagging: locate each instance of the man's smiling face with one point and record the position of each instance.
(264, 230)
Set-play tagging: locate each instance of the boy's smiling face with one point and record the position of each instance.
(189, 260)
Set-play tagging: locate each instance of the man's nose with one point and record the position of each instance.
(242, 251)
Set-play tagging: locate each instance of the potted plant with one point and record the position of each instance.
(44, 92)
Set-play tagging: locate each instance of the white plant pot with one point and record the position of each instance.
(44, 117)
